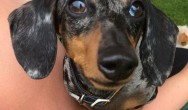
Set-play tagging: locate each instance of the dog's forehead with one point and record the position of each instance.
(124, 1)
(116, 6)
(113, 3)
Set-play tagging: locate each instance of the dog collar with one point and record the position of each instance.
(79, 91)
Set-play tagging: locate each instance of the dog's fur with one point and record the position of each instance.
(106, 27)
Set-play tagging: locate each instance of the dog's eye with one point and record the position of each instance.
(136, 9)
(77, 6)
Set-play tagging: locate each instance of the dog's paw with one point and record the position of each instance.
(182, 38)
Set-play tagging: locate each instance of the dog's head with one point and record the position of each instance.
(106, 39)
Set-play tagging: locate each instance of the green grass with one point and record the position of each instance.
(177, 10)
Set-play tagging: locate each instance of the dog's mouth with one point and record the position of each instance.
(80, 89)
(108, 84)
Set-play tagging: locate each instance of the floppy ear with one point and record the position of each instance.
(157, 48)
(34, 38)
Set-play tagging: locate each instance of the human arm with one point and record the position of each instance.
(173, 95)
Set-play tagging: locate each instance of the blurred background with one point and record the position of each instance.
(177, 10)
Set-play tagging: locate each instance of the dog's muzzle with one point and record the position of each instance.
(80, 91)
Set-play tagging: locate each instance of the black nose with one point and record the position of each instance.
(117, 66)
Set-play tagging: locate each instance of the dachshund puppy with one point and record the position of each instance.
(117, 51)
(182, 39)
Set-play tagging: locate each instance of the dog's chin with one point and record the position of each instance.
(96, 83)
(97, 89)
(106, 85)
(98, 86)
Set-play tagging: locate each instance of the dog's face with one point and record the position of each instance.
(101, 36)
(113, 43)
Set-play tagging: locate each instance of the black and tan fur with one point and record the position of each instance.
(106, 30)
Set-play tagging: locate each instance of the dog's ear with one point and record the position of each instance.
(157, 48)
(34, 38)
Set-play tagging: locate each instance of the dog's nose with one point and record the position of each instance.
(117, 66)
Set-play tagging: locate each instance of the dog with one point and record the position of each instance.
(182, 38)
(117, 51)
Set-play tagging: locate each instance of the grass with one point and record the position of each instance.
(177, 10)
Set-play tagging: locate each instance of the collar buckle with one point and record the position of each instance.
(80, 99)
(99, 101)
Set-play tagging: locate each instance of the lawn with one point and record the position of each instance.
(177, 10)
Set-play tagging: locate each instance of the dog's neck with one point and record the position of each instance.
(80, 90)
